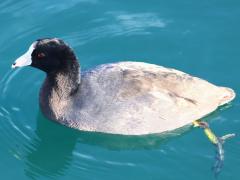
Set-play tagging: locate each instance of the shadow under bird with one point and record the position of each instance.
(129, 98)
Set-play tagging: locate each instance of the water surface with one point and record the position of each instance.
(198, 37)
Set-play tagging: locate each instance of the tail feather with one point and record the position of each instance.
(227, 95)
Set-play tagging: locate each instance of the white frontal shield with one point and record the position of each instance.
(25, 59)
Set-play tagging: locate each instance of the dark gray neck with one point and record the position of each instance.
(65, 79)
(65, 84)
(58, 91)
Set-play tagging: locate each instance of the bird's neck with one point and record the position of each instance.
(58, 91)
(64, 84)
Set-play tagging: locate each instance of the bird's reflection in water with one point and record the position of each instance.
(51, 151)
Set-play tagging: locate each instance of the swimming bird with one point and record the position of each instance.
(129, 98)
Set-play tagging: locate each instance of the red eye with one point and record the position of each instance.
(41, 55)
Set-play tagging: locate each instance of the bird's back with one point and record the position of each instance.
(138, 98)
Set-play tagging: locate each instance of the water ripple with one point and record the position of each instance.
(7, 79)
(58, 7)
(18, 129)
(139, 20)
(118, 24)
(84, 156)
(120, 163)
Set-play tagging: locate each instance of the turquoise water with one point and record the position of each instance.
(198, 37)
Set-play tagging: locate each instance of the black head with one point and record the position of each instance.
(49, 55)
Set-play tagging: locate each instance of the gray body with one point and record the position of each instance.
(131, 98)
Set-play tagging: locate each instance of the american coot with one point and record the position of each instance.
(130, 98)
